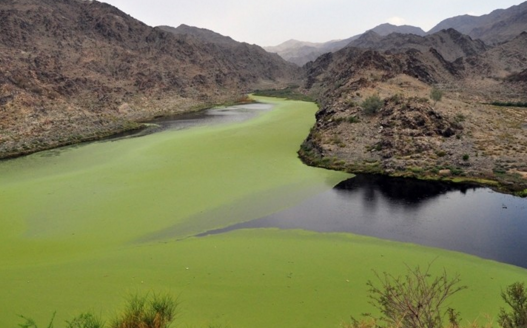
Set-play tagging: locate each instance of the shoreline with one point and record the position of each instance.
(505, 187)
(124, 127)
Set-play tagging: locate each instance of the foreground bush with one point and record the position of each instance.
(516, 297)
(413, 301)
(140, 312)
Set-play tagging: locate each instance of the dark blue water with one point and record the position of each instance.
(471, 220)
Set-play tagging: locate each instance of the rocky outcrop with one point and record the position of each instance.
(73, 70)
(449, 43)
(411, 134)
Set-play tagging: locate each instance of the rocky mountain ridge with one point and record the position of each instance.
(499, 26)
(449, 43)
(73, 70)
(300, 52)
(496, 27)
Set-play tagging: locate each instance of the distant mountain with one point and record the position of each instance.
(449, 43)
(73, 70)
(300, 52)
(386, 29)
(498, 26)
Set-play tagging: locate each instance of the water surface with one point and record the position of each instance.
(472, 220)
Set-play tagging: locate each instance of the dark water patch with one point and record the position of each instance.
(208, 117)
(463, 218)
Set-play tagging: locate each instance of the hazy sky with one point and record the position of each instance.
(270, 22)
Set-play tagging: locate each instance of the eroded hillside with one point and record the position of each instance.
(73, 70)
(460, 135)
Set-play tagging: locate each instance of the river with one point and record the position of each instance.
(83, 226)
(464, 218)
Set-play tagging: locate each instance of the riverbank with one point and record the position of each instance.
(455, 140)
(64, 127)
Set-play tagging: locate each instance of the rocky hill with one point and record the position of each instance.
(73, 70)
(300, 52)
(449, 43)
(387, 29)
(201, 34)
(498, 26)
(377, 113)
(251, 60)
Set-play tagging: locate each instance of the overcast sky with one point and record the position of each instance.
(271, 22)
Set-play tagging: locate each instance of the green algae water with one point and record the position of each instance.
(82, 230)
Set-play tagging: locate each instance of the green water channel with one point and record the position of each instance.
(81, 230)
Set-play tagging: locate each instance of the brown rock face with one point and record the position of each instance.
(410, 134)
(73, 70)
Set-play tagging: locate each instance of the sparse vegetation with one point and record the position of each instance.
(30, 323)
(459, 118)
(436, 94)
(466, 157)
(86, 320)
(156, 311)
(372, 104)
(415, 300)
(516, 297)
(290, 93)
(353, 119)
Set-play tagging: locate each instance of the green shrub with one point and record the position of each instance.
(415, 300)
(516, 297)
(143, 311)
(353, 119)
(436, 94)
(140, 312)
(85, 320)
(466, 157)
(372, 104)
(460, 118)
(30, 323)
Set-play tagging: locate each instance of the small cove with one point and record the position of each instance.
(206, 117)
(462, 218)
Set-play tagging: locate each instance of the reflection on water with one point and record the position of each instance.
(208, 117)
(472, 220)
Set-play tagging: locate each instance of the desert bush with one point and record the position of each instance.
(85, 320)
(353, 119)
(415, 300)
(140, 312)
(516, 297)
(372, 104)
(147, 312)
(30, 323)
(436, 94)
